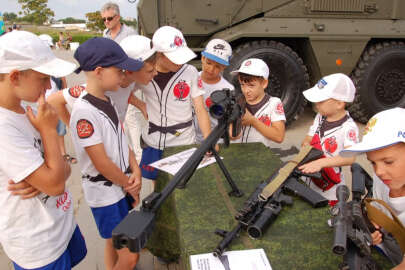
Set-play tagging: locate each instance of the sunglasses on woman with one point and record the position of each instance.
(108, 18)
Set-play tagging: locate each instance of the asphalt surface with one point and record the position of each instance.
(95, 245)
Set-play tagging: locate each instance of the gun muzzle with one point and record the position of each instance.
(268, 215)
(134, 230)
(339, 225)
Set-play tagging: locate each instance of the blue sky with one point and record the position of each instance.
(74, 8)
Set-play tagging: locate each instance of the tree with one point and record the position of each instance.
(94, 21)
(72, 20)
(9, 16)
(133, 23)
(37, 10)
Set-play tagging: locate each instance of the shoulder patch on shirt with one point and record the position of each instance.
(84, 128)
(181, 90)
(351, 135)
(280, 108)
(75, 91)
(208, 102)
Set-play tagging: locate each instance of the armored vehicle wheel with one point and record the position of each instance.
(288, 75)
(380, 80)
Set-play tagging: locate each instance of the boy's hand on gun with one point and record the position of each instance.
(376, 235)
(22, 189)
(46, 118)
(248, 119)
(312, 167)
(134, 186)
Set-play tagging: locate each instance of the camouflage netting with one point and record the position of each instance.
(185, 225)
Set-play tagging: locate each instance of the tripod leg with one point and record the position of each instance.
(235, 190)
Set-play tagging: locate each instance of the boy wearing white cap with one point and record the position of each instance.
(384, 144)
(332, 131)
(40, 231)
(214, 59)
(264, 117)
(170, 98)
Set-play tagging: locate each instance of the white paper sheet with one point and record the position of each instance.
(173, 163)
(251, 259)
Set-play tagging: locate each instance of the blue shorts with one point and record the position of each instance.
(108, 217)
(75, 253)
(150, 155)
(61, 128)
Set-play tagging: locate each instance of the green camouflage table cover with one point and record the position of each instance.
(299, 238)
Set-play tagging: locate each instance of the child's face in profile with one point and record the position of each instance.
(253, 89)
(212, 70)
(112, 78)
(328, 107)
(31, 84)
(389, 166)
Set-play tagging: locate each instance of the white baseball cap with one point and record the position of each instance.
(383, 129)
(47, 39)
(21, 50)
(138, 47)
(170, 41)
(255, 67)
(337, 86)
(219, 51)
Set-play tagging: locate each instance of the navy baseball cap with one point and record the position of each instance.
(104, 52)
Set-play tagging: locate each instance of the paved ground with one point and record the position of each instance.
(94, 259)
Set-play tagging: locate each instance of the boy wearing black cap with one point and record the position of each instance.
(104, 156)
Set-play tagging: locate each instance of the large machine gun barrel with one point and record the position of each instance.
(340, 232)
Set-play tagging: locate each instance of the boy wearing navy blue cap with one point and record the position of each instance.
(104, 156)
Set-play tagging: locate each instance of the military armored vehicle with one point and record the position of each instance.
(301, 41)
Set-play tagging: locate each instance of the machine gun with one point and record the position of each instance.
(134, 231)
(265, 203)
(352, 229)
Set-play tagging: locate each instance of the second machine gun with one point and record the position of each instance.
(265, 203)
(352, 229)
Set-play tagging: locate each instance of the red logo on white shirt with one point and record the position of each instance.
(63, 202)
(181, 90)
(280, 108)
(84, 128)
(352, 135)
(330, 144)
(75, 91)
(265, 119)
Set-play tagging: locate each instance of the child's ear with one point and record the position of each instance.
(14, 76)
(265, 83)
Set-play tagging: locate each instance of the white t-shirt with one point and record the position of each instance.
(334, 141)
(33, 232)
(120, 97)
(171, 106)
(208, 89)
(271, 111)
(94, 121)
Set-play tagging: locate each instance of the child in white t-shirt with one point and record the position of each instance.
(40, 231)
(264, 117)
(215, 58)
(384, 144)
(332, 131)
